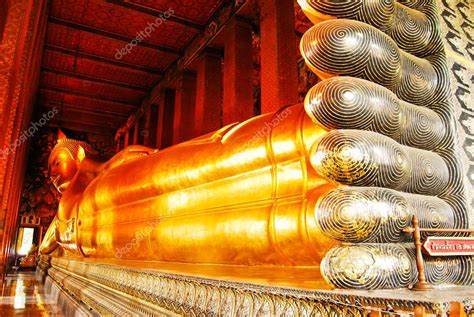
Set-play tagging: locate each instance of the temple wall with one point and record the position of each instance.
(457, 27)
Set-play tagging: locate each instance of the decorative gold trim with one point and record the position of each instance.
(104, 286)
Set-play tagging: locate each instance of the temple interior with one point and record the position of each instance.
(237, 157)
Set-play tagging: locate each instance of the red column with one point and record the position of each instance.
(127, 139)
(135, 131)
(164, 131)
(160, 119)
(238, 67)
(279, 73)
(151, 125)
(184, 108)
(146, 126)
(208, 93)
(22, 28)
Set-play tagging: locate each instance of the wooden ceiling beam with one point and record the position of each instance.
(112, 35)
(100, 59)
(89, 96)
(156, 13)
(113, 109)
(94, 112)
(90, 120)
(85, 121)
(93, 79)
(81, 127)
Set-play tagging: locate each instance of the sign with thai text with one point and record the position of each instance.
(452, 246)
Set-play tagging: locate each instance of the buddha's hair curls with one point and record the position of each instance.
(72, 146)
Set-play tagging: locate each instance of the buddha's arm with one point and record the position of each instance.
(49, 243)
(129, 153)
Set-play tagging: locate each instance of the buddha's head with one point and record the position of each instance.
(65, 160)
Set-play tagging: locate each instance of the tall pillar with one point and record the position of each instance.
(279, 72)
(164, 132)
(160, 119)
(146, 127)
(153, 126)
(136, 128)
(127, 139)
(22, 27)
(184, 108)
(238, 68)
(208, 93)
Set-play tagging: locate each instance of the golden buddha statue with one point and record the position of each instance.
(319, 184)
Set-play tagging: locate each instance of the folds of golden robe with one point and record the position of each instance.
(353, 164)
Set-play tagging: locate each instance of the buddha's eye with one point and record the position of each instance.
(56, 163)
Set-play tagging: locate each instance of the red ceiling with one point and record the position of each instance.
(84, 86)
(195, 10)
(109, 17)
(102, 46)
(81, 72)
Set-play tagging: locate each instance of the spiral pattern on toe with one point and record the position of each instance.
(397, 47)
(363, 158)
(432, 212)
(410, 25)
(371, 214)
(379, 266)
(345, 47)
(352, 48)
(448, 270)
(353, 103)
(420, 127)
(368, 266)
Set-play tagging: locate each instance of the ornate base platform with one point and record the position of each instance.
(111, 289)
(69, 305)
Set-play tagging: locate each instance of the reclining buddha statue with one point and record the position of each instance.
(330, 183)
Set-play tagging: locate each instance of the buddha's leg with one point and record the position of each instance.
(49, 242)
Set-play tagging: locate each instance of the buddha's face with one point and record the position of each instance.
(62, 169)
